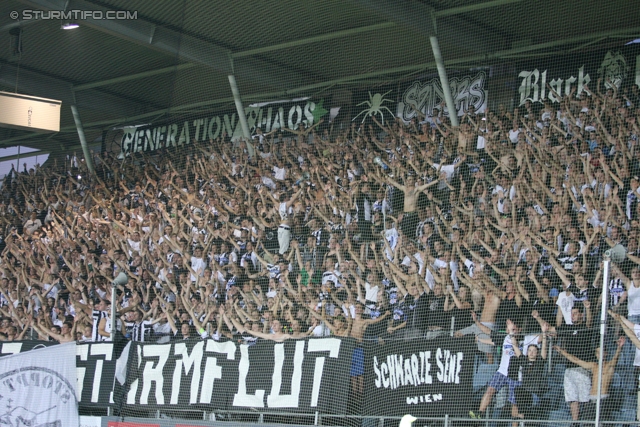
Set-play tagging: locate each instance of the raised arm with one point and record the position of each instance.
(627, 326)
(573, 359)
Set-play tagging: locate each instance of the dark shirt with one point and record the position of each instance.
(463, 317)
(420, 314)
(534, 378)
(508, 310)
(436, 314)
(578, 341)
(546, 310)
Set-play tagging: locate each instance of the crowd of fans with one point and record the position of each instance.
(381, 231)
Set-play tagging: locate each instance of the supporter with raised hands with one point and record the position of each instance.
(608, 402)
(507, 373)
(485, 289)
(577, 337)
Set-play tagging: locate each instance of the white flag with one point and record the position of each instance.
(38, 387)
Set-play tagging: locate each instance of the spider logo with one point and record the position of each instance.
(375, 106)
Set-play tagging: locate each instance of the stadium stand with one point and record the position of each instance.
(384, 230)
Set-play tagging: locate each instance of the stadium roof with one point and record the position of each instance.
(178, 54)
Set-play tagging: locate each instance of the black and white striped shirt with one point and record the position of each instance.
(140, 332)
(97, 317)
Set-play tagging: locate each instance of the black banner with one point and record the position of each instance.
(95, 367)
(15, 347)
(616, 67)
(297, 375)
(270, 116)
(419, 377)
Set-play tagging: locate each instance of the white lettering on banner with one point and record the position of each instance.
(133, 389)
(275, 399)
(450, 367)
(332, 345)
(165, 136)
(83, 352)
(189, 364)
(184, 135)
(211, 370)
(612, 71)
(241, 398)
(398, 370)
(105, 350)
(189, 361)
(466, 91)
(153, 374)
(533, 86)
(427, 398)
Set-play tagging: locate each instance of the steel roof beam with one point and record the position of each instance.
(301, 42)
(185, 47)
(136, 76)
(473, 7)
(479, 60)
(270, 48)
(146, 33)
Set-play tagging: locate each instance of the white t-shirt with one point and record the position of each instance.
(52, 290)
(481, 142)
(331, 276)
(470, 266)
(513, 135)
(282, 210)
(164, 330)
(279, 173)
(134, 245)
(268, 182)
(507, 353)
(321, 331)
(371, 292)
(565, 304)
(198, 265)
(633, 300)
(449, 170)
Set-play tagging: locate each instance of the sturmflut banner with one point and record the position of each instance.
(296, 375)
(38, 388)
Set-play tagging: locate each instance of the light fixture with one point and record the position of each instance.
(69, 26)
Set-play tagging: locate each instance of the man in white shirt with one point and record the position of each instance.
(32, 224)
(284, 229)
(198, 264)
(279, 171)
(633, 196)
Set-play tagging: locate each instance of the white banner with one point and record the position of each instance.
(38, 388)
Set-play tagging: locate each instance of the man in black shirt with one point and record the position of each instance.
(576, 339)
(438, 321)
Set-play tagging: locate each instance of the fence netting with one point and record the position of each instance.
(365, 251)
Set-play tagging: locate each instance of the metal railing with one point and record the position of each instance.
(334, 420)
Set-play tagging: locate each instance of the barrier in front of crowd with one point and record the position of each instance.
(439, 379)
(307, 375)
